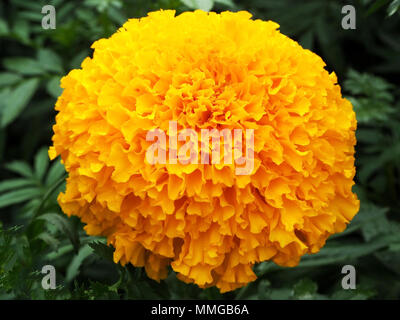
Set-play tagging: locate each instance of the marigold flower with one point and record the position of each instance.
(206, 70)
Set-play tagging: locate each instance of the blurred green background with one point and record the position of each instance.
(33, 231)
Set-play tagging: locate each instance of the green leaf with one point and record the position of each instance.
(339, 252)
(264, 288)
(20, 167)
(393, 7)
(102, 5)
(25, 66)
(307, 39)
(116, 15)
(360, 293)
(395, 247)
(4, 94)
(371, 220)
(77, 60)
(54, 255)
(49, 60)
(369, 136)
(371, 96)
(101, 291)
(305, 289)
(18, 196)
(53, 87)
(74, 266)
(21, 30)
(14, 184)
(34, 6)
(8, 78)
(390, 259)
(367, 84)
(3, 28)
(205, 5)
(41, 163)
(18, 99)
(35, 16)
(227, 3)
(376, 5)
(55, 172)
(49, 239)
(62, 224)
(374, 221)
(280, 294)
(102, 250)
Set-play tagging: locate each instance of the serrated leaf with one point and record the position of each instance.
(374, 221)
(62, 224)
(17, 101)
(74, 266)
(102, 250)
(101, 291)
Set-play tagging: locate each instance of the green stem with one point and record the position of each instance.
(48, 194)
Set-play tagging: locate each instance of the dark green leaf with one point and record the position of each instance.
(74, 266)
(393, 7)
(18, 99)
(305, 289)
(53, 87)
(18, 196)
(41, 163)
(49, 60)
(62, 224)
(20, 167)
(55, 172)
(205, 5)
(102, 250)
(12, 184)
(25, 66)
(8, 78)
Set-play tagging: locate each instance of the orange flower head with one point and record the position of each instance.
(206, 71)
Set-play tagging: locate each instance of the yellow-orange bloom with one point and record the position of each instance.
(206, 70)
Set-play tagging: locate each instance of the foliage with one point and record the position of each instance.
(34, 232)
